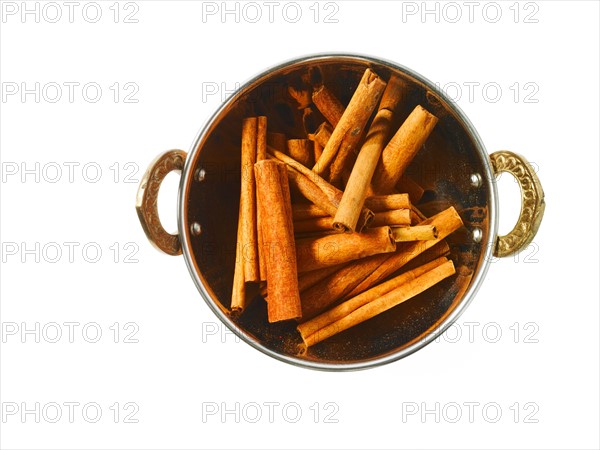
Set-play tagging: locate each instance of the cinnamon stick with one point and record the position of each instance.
(356, 277)
(333, 315)
(381, 304)
(248, 200)
(401, 149)
(282, 274)
(378, 203)
(328, 104)
(416, 233)
(336, 249)
(261, 154)
(349, 129)
(301, 150)
(395, 94)
(359, 182)
(395, 217)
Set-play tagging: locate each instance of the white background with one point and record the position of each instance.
(178, 368)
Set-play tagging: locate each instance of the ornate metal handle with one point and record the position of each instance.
(147, 197)
(532, 202)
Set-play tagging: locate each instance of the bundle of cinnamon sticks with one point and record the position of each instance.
(352, 245)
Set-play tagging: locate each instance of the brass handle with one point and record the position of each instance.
(147, 198)
(532, 202)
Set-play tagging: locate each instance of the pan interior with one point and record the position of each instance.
(444, 168)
